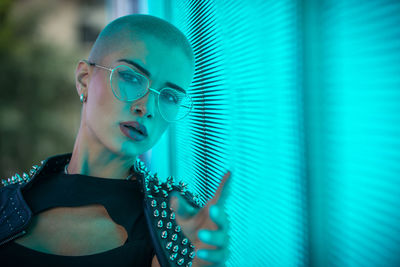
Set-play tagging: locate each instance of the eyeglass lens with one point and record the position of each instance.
(128, 85)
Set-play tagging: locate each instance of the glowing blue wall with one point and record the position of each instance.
(248, 115)
(301, 100)
(354, 130)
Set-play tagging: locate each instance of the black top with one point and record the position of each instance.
(121, 198)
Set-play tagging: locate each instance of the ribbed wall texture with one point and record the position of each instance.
(247, 118)
(301, 101)
(362, 131)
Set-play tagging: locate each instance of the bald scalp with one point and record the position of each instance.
(134, 27)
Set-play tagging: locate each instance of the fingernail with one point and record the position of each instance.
(202, 254)
(204, 236)
(214, 211)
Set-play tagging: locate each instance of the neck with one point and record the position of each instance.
(90, 157)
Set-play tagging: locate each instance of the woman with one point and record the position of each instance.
(87, 207)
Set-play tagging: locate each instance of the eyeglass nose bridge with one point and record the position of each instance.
(148, 90)
(154, 91)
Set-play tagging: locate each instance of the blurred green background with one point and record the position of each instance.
(41, 42)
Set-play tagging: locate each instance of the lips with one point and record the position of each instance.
(133, 130)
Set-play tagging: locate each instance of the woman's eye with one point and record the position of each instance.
(171, 98)
(129, 77)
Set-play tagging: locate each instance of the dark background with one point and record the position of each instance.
(41, 43)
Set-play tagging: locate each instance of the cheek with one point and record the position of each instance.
(99, 92)
(101, 103)
(159, 128)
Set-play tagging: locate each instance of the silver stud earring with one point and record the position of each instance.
(83, 98)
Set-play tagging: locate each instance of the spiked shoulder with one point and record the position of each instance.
(25, 177)
(172, 247)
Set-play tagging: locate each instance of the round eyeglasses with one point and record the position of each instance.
(128, 85)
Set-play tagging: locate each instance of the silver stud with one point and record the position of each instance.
(169, 245)
(140, 163)
(147, 176)
(184, 251)
(189, 264)
(163, 205)
(169, 225)
(25, 176)
(177, 229)
(165, 193)
(153, 203)
(180, 261)
(183, 184)
(170, 179)
(156, 213)
(172, 216)
(185, 241)
(173, 256)
(169, 187)
(160, 224)
(156, 180)
(174, 237)
(192, 254)
(164, 234)
(155, 188)
(19, 179)
(164, 213)
(197, 201)
(175, 248)
(192, 246)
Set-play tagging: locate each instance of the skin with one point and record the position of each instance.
(208, 227)
(102, 150)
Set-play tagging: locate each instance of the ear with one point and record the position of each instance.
(82, 74)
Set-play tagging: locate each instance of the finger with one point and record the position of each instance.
(181, 206)
(214, 256)
(227, 187)
(217, 238)
(223, 190)
(218, 216)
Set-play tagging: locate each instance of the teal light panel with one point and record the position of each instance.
(361, 132)
(301, 101)
(247, 119)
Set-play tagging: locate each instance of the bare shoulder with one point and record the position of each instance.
(155, 262)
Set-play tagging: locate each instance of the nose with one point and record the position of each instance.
(144, 106)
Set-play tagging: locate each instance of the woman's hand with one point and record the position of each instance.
(207, 228)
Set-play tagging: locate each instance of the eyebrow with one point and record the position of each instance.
(148, 74)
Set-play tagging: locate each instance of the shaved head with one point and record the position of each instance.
(132, 28)
(149, 48)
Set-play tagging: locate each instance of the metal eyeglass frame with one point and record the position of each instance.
(148, 88)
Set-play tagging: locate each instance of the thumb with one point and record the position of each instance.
(181, 206)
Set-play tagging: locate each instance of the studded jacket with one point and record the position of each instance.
(171, 246)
